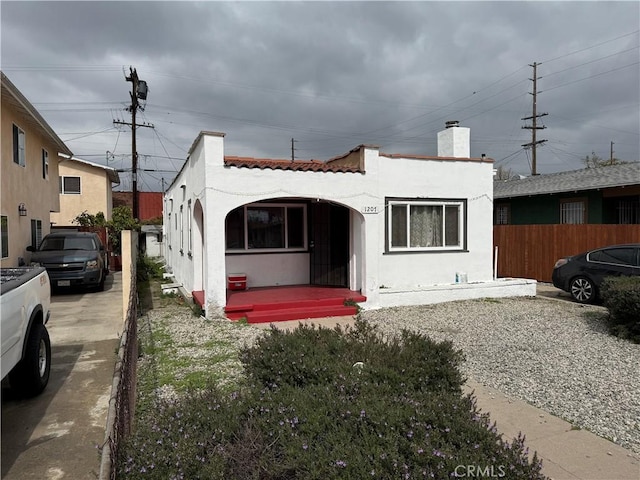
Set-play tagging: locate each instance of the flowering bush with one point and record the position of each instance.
(329, 404)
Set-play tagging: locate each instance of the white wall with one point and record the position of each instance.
(271, 269)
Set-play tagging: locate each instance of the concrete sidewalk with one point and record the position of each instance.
(566, 454)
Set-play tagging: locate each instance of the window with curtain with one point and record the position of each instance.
(425, 225)
(267, 227)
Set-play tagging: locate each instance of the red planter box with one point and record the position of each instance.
(237, 281)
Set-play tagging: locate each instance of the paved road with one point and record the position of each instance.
(56, 435)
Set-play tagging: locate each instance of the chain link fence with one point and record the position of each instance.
(123, 389)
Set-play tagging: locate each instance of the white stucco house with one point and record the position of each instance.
(400, 229)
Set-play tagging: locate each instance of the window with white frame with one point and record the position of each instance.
(4, 235)
(169, 230)
(189, 237)
(19, 155)
(45, 164)
(426, 225)
(573, 211)
(181, 230)
(267, 227)
(70, 185)
(36, 233)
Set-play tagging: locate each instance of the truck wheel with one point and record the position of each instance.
(31, 375)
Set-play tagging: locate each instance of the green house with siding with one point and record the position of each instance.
(602, 195)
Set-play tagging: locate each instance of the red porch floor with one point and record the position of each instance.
(273, 304)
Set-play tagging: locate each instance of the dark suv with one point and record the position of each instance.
(72, 259)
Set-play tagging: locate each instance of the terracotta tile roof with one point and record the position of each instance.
(298, 165)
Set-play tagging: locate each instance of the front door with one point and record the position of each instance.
(329, 245)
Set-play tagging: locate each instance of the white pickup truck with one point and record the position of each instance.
(25, 297)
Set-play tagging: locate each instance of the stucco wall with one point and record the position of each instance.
(95, 193)
(26, 185)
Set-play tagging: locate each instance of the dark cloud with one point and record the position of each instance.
(331, 75)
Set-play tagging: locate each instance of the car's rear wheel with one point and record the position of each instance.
(582, 290)
(31, 375)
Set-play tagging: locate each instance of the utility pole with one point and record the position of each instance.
(534, 127)
(611, 154)
(293, 149)
(139, 90)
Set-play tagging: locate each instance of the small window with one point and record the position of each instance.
(190, 240)
(70, 185)
(4, 235)
(169, 230)
(181, 230)
(503, 215)
(19, 156)
(628, 212)
(573, 212)
(45, 164)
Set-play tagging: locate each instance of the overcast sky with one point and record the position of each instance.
(331, 75)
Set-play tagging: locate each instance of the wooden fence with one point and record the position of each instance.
(530, 251)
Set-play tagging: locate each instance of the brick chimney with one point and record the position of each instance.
(454, 141)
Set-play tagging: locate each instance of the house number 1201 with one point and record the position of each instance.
(370, 209)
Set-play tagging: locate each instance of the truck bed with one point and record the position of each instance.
(13, 277)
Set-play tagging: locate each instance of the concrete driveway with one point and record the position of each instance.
(57, 435)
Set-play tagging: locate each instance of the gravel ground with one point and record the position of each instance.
(553, 354)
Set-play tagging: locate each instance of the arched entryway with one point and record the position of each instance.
(198, 248)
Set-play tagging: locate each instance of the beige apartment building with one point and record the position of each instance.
(84, 187)
(29, 189)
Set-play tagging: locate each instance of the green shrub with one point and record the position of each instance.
(621, 296)
(306, 412)
(147, 269)
(310, 356)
